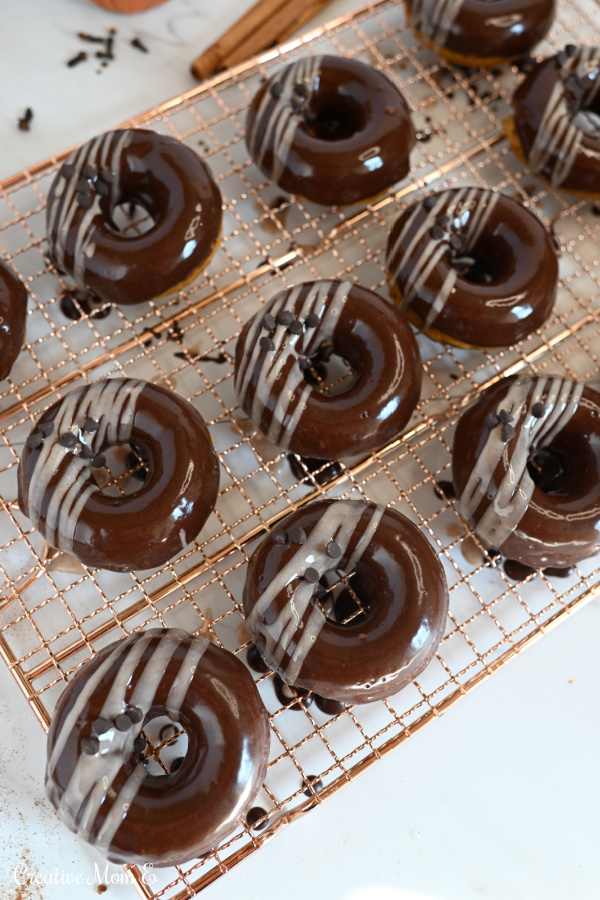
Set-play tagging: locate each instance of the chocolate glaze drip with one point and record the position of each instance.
(13, 310)
(285, 693)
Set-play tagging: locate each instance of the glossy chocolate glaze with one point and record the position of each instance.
(13, 310)
(333, 130)
(558, 139)
(153, 171)
(97, 780)
(473, 266)
(495, 470)
(141, 530)
(365, 330)
(481, 32)
(400, 582)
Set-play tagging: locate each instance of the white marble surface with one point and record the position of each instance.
(497, 799)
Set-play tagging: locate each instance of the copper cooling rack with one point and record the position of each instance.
(54, 614)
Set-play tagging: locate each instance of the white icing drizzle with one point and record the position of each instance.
(275, 121)
(339, 522)
(435, 18)
(558, 139)
(326, 299)
(414, 254)
(64, 213)
(503, 512)
(93, 776)
(110, 402)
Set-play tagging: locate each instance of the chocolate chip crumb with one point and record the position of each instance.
(507, 433)
(101, 725)
(276, 90)
(312, 320)
(99, 461)
(538, 410)
(46, 428)
(296, 327)
(25, 120)
(334, 550)
(67, 439)
(123, 722)
(34, 440)
(297, 535)
(90, 745)
(280, 537)
(436, 233)
(269, 322)
(285, 317)
(311, 575)
(266, 344)
(75, 60)
(491, 420)
(137, 43)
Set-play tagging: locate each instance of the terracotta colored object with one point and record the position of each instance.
(128, 6)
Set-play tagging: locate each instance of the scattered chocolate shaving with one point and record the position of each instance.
(137, 43)
(538, 410)
(67, 439)
(90, 38)
(75, 60)
(34, 440)
(297, 535)
(311, 575)
(123, 722)
(25, 120)
(266, 344)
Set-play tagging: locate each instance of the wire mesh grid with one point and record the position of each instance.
(55, 614)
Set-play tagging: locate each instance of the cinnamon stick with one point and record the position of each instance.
(266, 23)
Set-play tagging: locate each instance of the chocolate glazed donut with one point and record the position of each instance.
(141, 530)
(472, 268)
(330, 129)
(556, 122)
(95, 772)
(526, 469)
(480, 32)
(153, 171)
(274, 352)
(13, 311)
(395, 573)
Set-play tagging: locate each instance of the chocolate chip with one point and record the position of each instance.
(137, 43)
(269, 322)
(297, 535)
(280, 537)
(276, 90)
(334, 550)
(285, 317)
(430, 201)
(67, 439)
(304, 362)
(107, 176)
(320, 591)
(139, 745)
(85, 200)
(296, 327)
(312, 320)
(505, 417)
(176, 765)
(34, 440)
(266, 344)
(300, 90)
(457, 242)
(538, 410)
(86, 452)
(491, 420)
(102, 189)
(88, 171)
(90, 425)
(101, 725)
(311, 575)
(82, 186)
(296, 104)
(442, 221)
(46, 428)
(67, 170)
(135, 714)
(437, 233)
(123, 722)
(99, 461)
(90, 746)
(570, 49)
(507, 433)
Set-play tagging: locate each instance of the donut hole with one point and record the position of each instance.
(341, 602)
(166, 745)
(131, 218)
(548, 469)
(334, 117)
(124, 472)
(329, 373)
(485, 262)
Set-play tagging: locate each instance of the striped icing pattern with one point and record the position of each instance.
(275, 122)
(64, 214)
(260, 369)
(112, 404)
(498, 511)
(559, 137)
(290, 637)
(93, 777)
(415, 254)
(435, 18)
